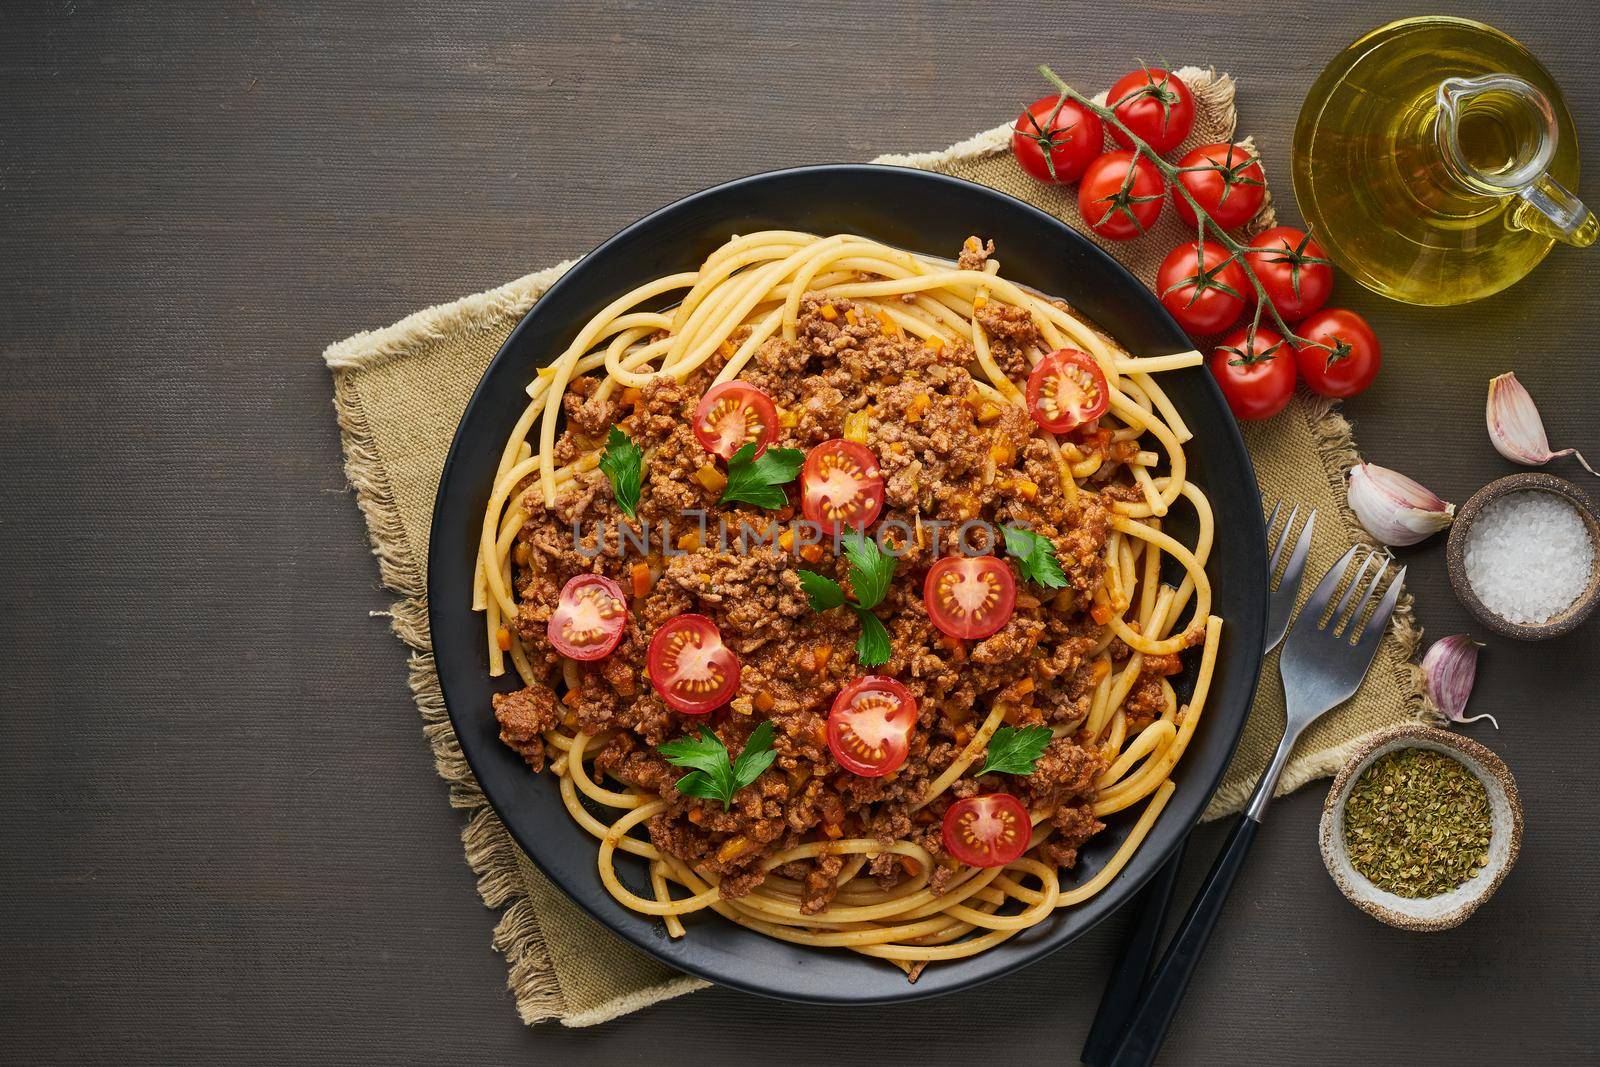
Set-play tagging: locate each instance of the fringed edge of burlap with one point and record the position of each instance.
(1335, 444)
(490, 850)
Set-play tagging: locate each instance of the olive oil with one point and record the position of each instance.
(1423, 155)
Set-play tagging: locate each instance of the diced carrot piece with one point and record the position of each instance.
(1025, 687)
(811, 553)
(820, 656)
(988, 413)
(1025, 488)
(828, 311)
(786, 540)
(713, 480)
(1101, 613)
(763, 702)
(1002, 453)
(788, 419)
(502, 638)
(917, 406)
(631, 397)
(850, 316)
(890, 327)
(642, 579)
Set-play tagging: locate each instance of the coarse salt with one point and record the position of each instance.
(1529, 556)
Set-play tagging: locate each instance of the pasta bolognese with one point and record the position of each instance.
(948, 654)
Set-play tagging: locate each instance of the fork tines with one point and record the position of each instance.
(1360, 596)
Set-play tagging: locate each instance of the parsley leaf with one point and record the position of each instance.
(1013, 749)
(623, 464)
(759, 480)
(871, 568)
(713, 776)
(872, 647)
(822, 591)
(1036, 557)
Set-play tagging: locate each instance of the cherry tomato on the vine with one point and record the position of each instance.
(1343, 354)
(1255, 369)
(1292, 269)
(1121, 195)
(1155, 105)
(1206, 290)
(1225, 180)
(1056, 139)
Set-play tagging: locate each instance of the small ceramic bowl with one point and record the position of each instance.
(1452, 908)
(1455, 556)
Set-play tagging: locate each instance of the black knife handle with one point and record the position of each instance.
(1165, 991)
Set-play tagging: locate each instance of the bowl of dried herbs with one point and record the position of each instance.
(1421, 826)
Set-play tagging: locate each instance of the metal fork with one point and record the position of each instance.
(1128, 975)
(1322, 666)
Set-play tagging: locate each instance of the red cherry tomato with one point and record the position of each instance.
(991, 830)
(969, 597)
(1255, 371)
(1055, 140)
(1343, 356)
(1155, 105)
(1121, 195)
(841, 485)
(690, 666)
(869, 727)
(1204, 291)
(1230, 186)
(732, 415)
(1066, 390)
(1293, 271)
(589, 620)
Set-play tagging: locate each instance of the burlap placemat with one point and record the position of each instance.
(399, 393)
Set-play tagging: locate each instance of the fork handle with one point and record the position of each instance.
(1167, 985)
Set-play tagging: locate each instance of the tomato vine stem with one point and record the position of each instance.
(1170, 172)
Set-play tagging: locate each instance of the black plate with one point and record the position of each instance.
(924, 213)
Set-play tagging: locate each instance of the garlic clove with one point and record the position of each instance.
(1394, 509)
(1515, 427)
(1448, 672)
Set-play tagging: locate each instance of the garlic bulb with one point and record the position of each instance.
(1516, 429)
(1448, 671)
(1394, 509)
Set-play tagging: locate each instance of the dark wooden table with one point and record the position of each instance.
(224, 841)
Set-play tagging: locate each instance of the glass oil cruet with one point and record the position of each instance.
(1434, 160)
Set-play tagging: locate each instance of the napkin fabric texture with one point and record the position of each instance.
(400, 391)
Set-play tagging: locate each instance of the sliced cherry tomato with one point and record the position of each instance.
(1343, 356)
(1227, 182)
(1055, 140)
(589, 620)
(969, 597)
(869, 727)
(1293, 270)
(690, 666)
(1066, 390)
(1121, 195)
(1155, 105)
(1256, 372)
(841, 485)
(1205, 291)
(732, 415)
(991, 830)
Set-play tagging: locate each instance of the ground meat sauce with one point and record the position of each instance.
(945, 454)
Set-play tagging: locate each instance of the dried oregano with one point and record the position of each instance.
(1417, 823)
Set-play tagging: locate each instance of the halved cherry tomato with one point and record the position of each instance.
(732, 415)
(1204, 292)
(589, 620)
(1227, 182)
(1293, 270)
(1056, 139)
(990, 830)
(969, 597)
(1256, 372)
(869, 727)
(1155, 105)
(690, 666)
(841, 485)
(1121, 195)
(1066, 390)
(1343, 356)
